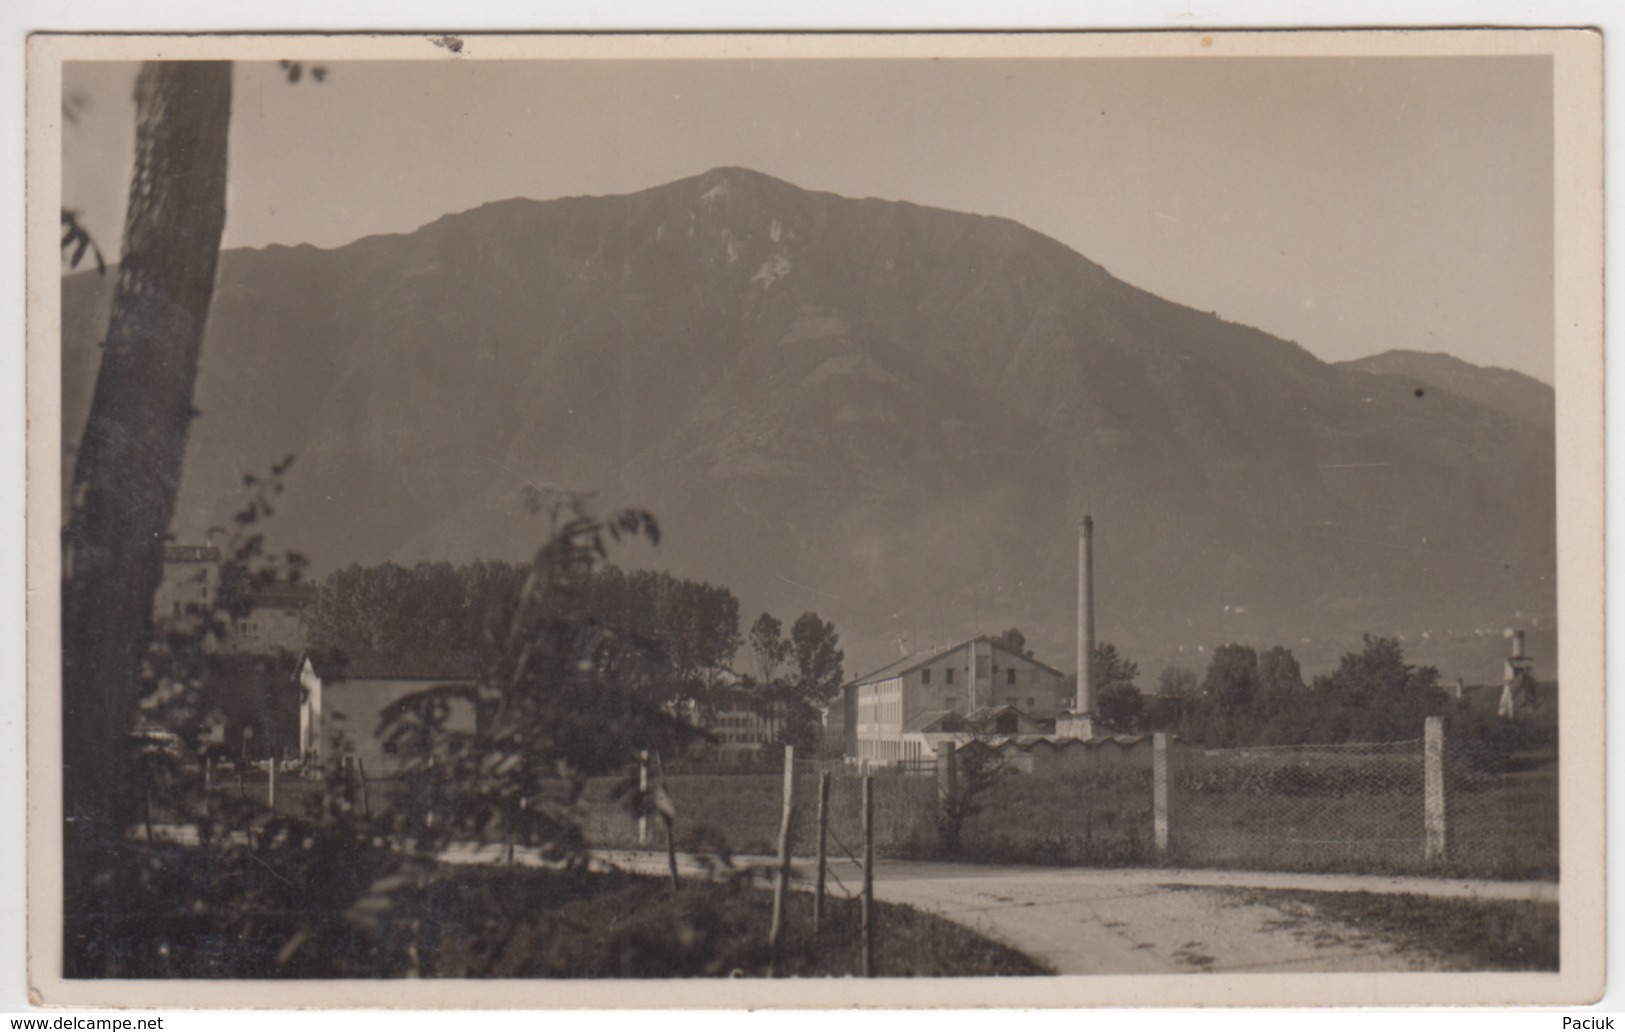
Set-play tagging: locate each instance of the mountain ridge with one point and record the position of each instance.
(890, 413)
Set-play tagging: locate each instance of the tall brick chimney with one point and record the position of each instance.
(1084, 705)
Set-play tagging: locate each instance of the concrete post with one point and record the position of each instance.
(947, 776)
(1433, 789)
(1159, 792)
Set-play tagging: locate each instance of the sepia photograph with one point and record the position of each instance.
(515, 521)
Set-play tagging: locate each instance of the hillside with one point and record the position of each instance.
(1522, 397)
(888, 413)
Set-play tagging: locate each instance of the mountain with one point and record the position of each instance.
(1519, 396)
(892, 414)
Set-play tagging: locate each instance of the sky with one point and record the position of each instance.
(1350, 205)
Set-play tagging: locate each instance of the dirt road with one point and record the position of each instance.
(1133, 921)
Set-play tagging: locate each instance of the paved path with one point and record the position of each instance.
(1128, 921)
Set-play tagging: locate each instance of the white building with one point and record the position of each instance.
(973, 687)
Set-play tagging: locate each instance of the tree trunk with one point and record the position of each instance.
(129, 461)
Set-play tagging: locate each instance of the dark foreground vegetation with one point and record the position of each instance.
(1463, 934)
(451, 921)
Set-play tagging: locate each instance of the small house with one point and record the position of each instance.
(342, 699)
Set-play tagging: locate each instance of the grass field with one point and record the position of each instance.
(1464, 934)
(1362, 815)
(635, 928)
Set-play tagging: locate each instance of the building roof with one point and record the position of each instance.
(191, 554)
(394, 666)
(920, 659)
(929, 721)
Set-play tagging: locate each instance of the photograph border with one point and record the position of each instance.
(1578, 317)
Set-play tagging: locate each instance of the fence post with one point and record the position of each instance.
(270, 791)
(947, 777)
(823, 851)
(1159, 792)
(775, 932)
(1433, 788)
(668, 817)
(361, 777)
(868, 903)
(643, 797)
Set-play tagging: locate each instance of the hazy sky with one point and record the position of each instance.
(1350, 205)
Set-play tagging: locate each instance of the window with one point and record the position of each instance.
(1010, 700)
(951, 702)
(204, 591)
(1031, 702)
(1010, 677)
(925, 676)
(981, 666)
(948, 676)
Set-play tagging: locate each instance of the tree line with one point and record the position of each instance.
(1250, 697)
(677, 642)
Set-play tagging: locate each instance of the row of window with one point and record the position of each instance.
(948, 675)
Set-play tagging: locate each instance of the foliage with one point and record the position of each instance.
(1118, 702)
(815, 648)
(1176, 682)
(1120, 707)
(1013, 640)
(1372, 696)
(794, 677)
(1232, 677)
(979, 766)
(552, 705)
(1112, 668)
(686, 632)
(474, 922)
(279, 888)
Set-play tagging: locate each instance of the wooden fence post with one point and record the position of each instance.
(823, 851)
(270, 790)
(1433, 789)
(775, 932)
(1159, 792)
(361, 777)
(868, 904)
(643, 797)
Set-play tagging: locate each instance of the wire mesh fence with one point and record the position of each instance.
(1354, 807)
(740, 812)
(1501, 809)
(1360, 808)
(1099, 817)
